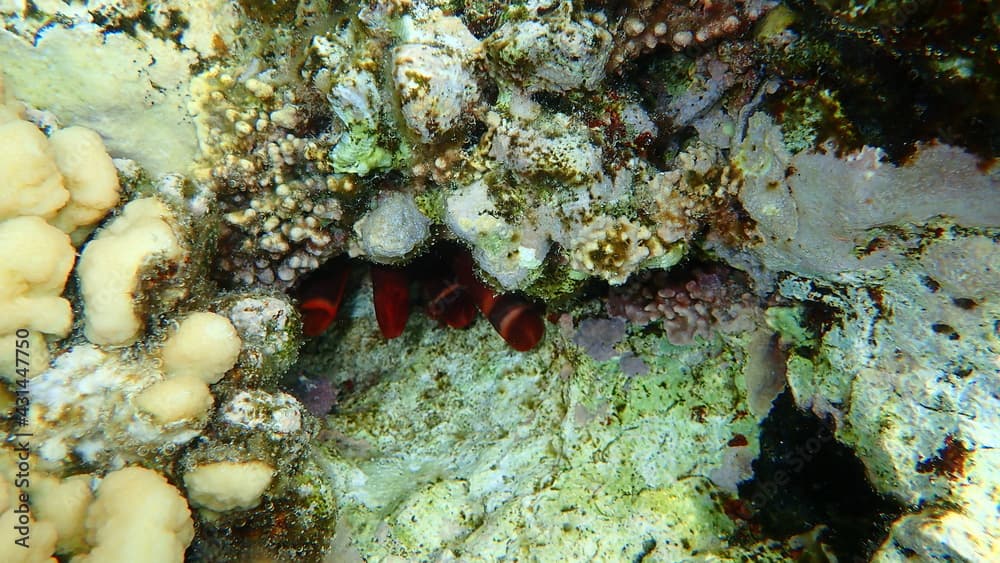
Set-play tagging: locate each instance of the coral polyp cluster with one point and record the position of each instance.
(274, 183)
(691, 305)
(647, 25)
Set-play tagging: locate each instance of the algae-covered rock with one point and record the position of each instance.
(394, 229)
(544, 46)
(268, 327)
(919, 405)
(576, 459)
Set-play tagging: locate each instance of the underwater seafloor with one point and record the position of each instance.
(472, 280)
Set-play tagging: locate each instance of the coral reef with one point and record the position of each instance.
(934, 351)
(297, 165)
(128, 390)
(271, 182)
(693, 225)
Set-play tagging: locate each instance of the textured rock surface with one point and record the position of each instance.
(907, 349)
(576, 460)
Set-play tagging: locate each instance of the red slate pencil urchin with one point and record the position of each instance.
(320, 296)
(452, 293)
(391, 296)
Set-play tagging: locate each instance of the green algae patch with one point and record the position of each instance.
(458, 444)
(358, 153)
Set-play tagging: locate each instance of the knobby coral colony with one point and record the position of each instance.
(451, 295)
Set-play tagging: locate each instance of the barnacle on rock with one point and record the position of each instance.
(544, 46)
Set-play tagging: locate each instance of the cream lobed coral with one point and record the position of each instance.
(140, 240)
(89, 176)
(40, 546)
(225, 486)
(137, 514)
(52, 186)
(33, 185)
(176, 399)
(37, 261)
(205, 345)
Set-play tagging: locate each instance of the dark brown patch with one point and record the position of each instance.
(949, 461)
(737, 441)
(736, 509)
(698, 413)
(877, 243)
(964, 303)
(986, 164)
(819, 316)
(931, 284)
(946, 330)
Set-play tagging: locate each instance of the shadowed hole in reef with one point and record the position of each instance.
(804, 478)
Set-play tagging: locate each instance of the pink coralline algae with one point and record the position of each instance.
(598, 337)
(696, 303)
(317, 394)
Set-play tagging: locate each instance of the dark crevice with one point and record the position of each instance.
(805, 478)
